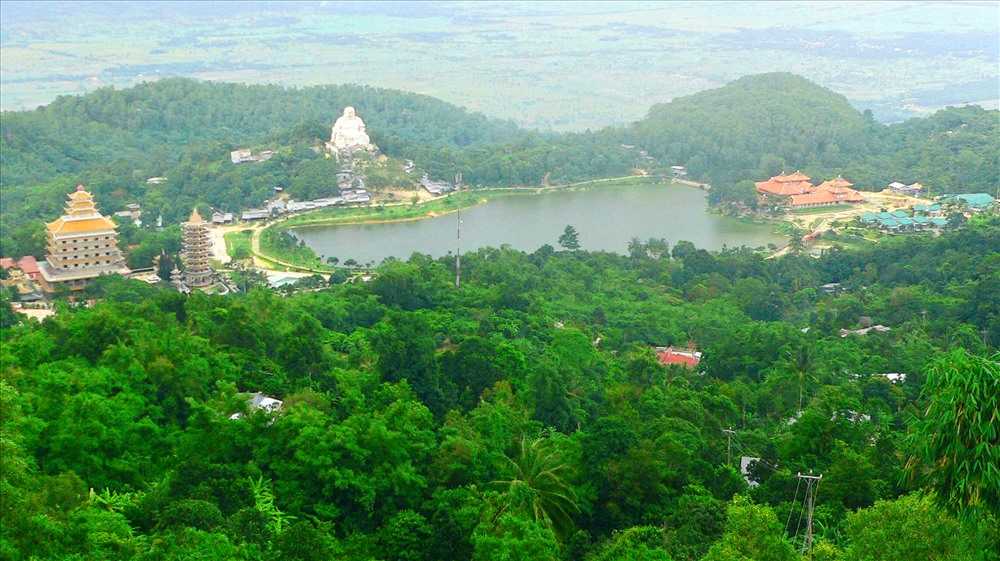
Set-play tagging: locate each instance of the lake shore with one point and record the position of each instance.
(400, 213)
(440, 206)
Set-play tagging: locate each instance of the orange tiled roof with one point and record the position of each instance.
(845, 194)
(28, 264)
(783, 188)
(814, 198)
(827, 196)
(836, 182)
(792, 177)
(97, 224)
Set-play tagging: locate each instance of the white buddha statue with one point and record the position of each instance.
(349, 133)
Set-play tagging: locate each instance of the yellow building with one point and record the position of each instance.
(82, 245)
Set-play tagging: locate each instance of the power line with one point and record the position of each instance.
(795, 500)
(809, 504)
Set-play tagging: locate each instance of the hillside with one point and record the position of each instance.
(153, 123)
(524, 417)
(756, 122)
(112, 140)
(763, 124)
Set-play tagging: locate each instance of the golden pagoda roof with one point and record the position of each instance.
(80, 195)
(195, 218)
(64, 226)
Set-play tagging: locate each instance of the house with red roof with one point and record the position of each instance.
(29, 266)
(687, 357)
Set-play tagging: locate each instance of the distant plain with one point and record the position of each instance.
(559, 66)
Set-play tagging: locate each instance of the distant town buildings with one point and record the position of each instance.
(260, 402)
(865, 330)
(243, 156)
(82, 245)
(796, 191)
(196, 252)
(435, 188)
(974, 202)
(132, 213)
(911, 190)
(254, 214)
(222, 218)
(899, 220)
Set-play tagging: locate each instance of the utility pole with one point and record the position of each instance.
(729, 449)
(458, 253)
(812, 484)
(458, 237)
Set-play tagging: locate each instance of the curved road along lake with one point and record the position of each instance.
(606, 218)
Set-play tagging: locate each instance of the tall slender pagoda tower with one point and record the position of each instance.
(82, 245)
(196, 252)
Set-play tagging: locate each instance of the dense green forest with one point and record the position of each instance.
(113, 140)
(524, 416)
(760, 125)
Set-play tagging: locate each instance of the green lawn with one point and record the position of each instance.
(819, 210)
(238, 244)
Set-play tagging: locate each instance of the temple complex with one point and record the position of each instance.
(196, 251)
(796, 191)
(782, 186)
(82, 245)
(348, 135)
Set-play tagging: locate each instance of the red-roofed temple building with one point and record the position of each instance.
(796, 191)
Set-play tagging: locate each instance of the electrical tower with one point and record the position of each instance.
(809, 503)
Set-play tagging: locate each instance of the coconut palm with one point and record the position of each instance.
(537, 486)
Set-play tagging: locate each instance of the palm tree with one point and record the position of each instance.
(537, 486)
(801, 359)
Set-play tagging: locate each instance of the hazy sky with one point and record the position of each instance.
(548, 65)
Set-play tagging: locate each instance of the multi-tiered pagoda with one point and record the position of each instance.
(82, 245)
(197, 250)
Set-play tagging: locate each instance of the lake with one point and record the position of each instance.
(606, 218)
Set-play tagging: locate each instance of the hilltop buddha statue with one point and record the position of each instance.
(348, 134)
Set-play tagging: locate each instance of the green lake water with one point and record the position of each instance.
(606, 218)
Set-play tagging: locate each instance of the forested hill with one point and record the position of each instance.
(751, 128)
(759, 125)
(155, 122)
(524, 417)
(112, 140)
(729, 131)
